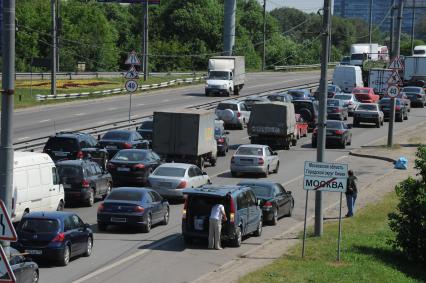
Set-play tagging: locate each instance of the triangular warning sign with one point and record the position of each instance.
(132, 73)
(396, 64)
(6, 273)
(7, 231)
(394, 79)
(132, 59)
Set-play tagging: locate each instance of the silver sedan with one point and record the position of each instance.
(254, 158)
(170, 179)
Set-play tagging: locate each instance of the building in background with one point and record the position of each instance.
(381, 12)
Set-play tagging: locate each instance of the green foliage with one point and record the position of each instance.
(409, 221)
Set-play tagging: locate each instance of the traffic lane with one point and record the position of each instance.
(65, 115)
(186, 263)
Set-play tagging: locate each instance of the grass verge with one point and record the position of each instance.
(365, 254)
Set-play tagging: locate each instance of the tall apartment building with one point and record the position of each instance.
(381, 11)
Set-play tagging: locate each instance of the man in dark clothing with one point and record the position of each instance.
(351, 193)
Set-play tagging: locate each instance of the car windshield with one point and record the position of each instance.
(170, 172)
(147, 125)
(333, 102)
(39, 226)
(122, 136)
(131, 155)
(361, 91)
(411, 89)
(258, 151)
(218, 75)
(419, 52)
(260, 191)
(369, 107)
(296, 93)
(69, 171)
(343, 97)
(127, 195)
(331, 88)
(357, 57)
(61, 144)
(224, 106)
(334, 125)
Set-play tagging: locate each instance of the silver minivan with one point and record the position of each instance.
(234, 113)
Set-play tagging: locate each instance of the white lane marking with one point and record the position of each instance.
(79, 114)
(134, 116)
(112, 108)
(104, 122)
(287, 81)
(126, 259)
(65, 130)
(141, 104)
(245, 138)
(44, 121)
(24, 138)
(165, 100)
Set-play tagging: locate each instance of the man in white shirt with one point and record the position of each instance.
(215, 227)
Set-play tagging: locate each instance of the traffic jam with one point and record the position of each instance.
(138, 175)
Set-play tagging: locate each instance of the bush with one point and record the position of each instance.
(409, 221)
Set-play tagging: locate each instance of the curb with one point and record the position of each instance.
(388, 159)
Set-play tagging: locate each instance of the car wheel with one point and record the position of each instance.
(166, 217)
(277, 168)
(346, 117)
(355, 123)
(188, 240)
(266, 173)
(274, 220)
(236, 242)
(107, 191)
(213, 162)
(258, 231)
(378, 124)
(234, 174)
(314, 143)
(294, 142)
(35, 276)
(65, 256)
(343, 144)
(102, 226)
(89, 247)
(91, 199)
(61, 206)
(147, 226)
(383, 121)
(290, 211)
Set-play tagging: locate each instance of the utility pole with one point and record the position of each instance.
(7, 92)
(322, 111)
(391, 32)
(230, 8)
(264, 36)
(59, 29)
(370, 23)
(413, 22)
(145, 41)
(395, 54)
(53, 49)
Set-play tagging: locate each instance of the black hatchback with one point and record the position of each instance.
(54, 235)
(116, 140)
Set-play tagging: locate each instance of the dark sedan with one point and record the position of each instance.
(116, 140)
(24, 269)
(416, 95)
(274, 199)
(401, 112)
(337, 132)
(133, 166)
(336, 110)
(222, 140)
(332, 90)
(137, 207)
(56, 235)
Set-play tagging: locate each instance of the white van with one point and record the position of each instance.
(348, 77)
(35, 184)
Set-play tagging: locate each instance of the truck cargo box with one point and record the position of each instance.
(183, 132)
(227, 63)
(272, 118)
(415, 68)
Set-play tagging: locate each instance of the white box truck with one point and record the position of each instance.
(415, 69)
(378, 80)
(226, 75)
(36, 184)
(364, 51)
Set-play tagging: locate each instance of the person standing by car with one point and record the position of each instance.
(351, 193)
(216, 216)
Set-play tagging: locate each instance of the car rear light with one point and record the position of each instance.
(260, 161)
(127, 145)
(233, 159)
(139, 166)
(221, 140)
(101, 207)
(268, 204)
(139, 208)
(80, 155)
(59, 238)
(238, 114)
(182, 185)
(85, 183)
(185, 206)
(398, 107)
(337, 110)
(231, 210)
(338, 132)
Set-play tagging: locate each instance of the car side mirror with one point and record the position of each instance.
(204, 173)
(86, 226)
(226, 133)
(274, 153)
(289, 192)
(258, 202)
(99, 137)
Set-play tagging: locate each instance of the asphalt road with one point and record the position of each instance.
(161, 256)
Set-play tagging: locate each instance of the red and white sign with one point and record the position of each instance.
(396, 64)
(6, 273)
(132, 59)
(394, 79)
(7, 231)
(393, 91)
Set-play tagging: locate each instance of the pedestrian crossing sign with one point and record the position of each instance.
(132, 59)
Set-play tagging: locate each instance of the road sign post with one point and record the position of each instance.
(131, 84)
(328, 177)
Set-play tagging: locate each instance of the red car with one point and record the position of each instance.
(365, 95)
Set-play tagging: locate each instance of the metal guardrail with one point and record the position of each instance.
(43, 97)
(301, 67)
(38, 143)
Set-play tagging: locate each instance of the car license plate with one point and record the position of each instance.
(111, 147)
(118, 219)
(125, 169)
(67, 186)
(34, 252)
(164, 184)
(60, 153)
(329, 133)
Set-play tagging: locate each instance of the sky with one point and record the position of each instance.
(304, 5)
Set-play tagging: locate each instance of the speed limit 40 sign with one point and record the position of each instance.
(393, 91)
(131, 85)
